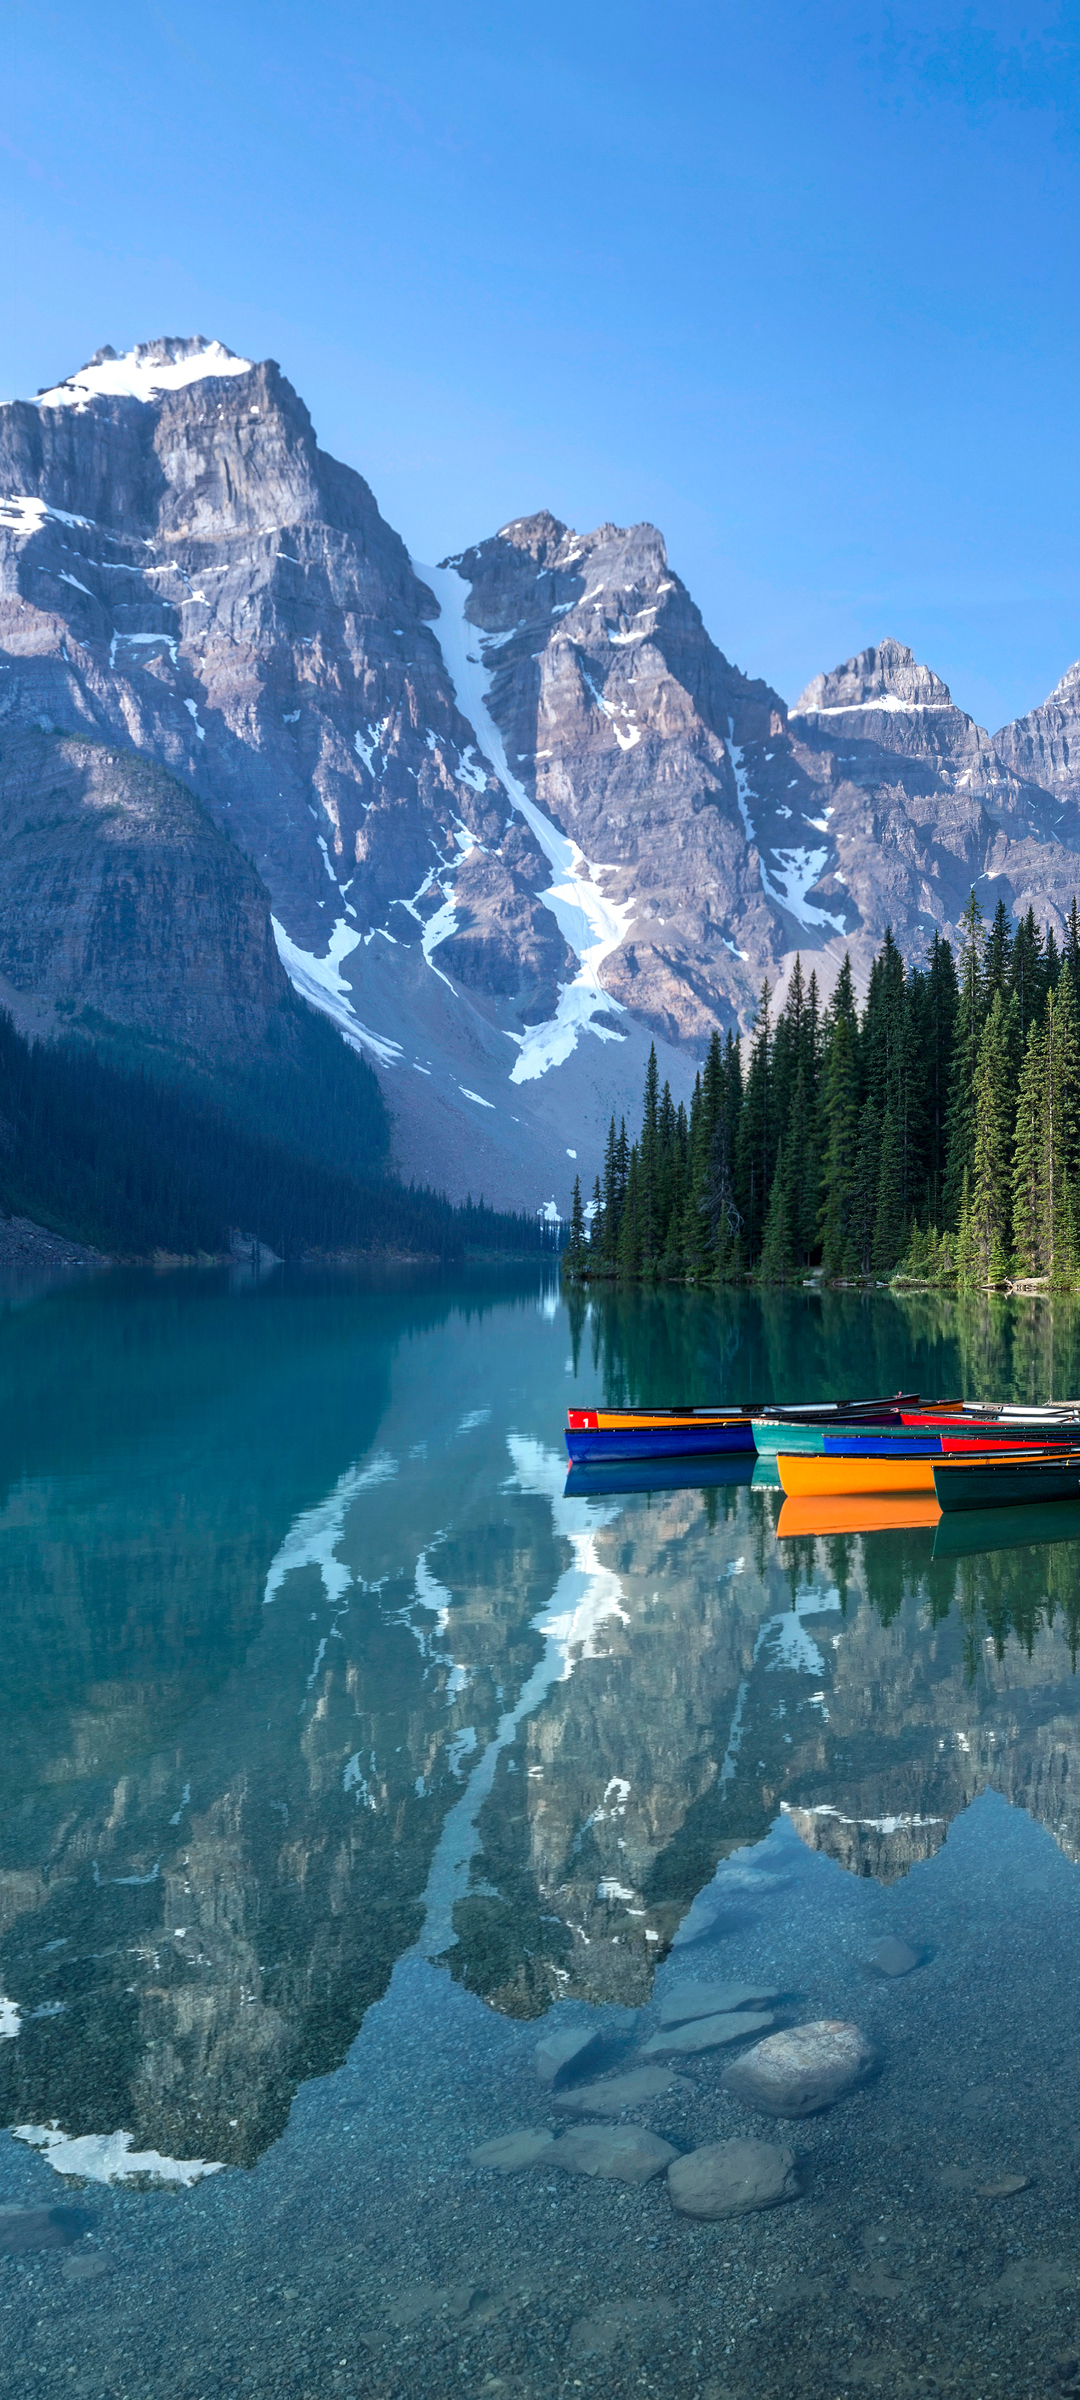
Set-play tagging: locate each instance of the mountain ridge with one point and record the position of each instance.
(514, 817)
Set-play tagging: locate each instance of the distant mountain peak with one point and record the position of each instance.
(887, 677)
(165, 365)
(539, 534)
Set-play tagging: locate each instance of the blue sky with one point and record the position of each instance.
(799, 283)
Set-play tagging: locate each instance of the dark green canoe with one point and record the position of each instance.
(1005, 1482)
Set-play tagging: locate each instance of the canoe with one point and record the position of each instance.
(950, 1440)
(861, 1512)
(804, 1478)
(1017, 1478)
(804, 1428)
(607, 1436)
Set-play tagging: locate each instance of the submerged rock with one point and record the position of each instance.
(688, 2000)
(729, 2179)
(632, 2090)
(793, 2074)
(894, 1957)
(706, 2033)
(564, 2051)
(618, 2153)
(24, 2229)
(509, 2151)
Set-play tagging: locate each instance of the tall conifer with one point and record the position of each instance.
(756, 1143)
(840, 1119)
(989, 1211)
(960, 1135)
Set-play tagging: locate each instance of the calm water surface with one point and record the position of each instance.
(345, 1756)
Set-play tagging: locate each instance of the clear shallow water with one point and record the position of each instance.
(341, 1749)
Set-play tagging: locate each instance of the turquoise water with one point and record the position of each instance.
(344, 1757)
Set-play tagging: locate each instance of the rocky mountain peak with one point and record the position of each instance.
(1044, 746)
(144, 371)
(888, 677)
(538, 537)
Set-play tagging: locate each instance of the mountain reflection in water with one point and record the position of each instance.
(312, 1662)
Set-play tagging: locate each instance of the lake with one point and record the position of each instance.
(347, 1758)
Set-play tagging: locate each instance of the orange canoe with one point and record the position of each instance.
(862, 1512)
(806, 1477)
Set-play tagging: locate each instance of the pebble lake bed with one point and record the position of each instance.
(532, 1946)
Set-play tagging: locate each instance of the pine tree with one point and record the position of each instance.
(960, 1135)
(1072, 948)
(997, 964)
(612, 1207)
(649, 1230)
(574, 1255)
(967, 1251)
(1028, 980)
(987, 1232)
(859, 1244)
(889, 1217)
(1060, 1129)
(776, 1264)
(629, 1254)
(938, 1027)
(756, 1147)
(802, 1169)
(1027, 1146)
(840, 1120)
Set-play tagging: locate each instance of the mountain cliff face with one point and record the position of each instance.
(119, 894)
(1045, 745)
(514, 816)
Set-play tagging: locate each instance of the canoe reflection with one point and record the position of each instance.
(859, 1512)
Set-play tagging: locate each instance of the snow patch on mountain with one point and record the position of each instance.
(886, 702)
(141, 373)
(320, 981)
(791, 879)
(592, 926)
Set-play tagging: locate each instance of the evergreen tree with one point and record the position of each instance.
(840, 1118)
(629, 1252)
(648, 1200)
(1060, 1129)
(1072, 948)
(612, 1204)
(777, 1263)
(986, 1234)
(1027, 1147)
(1028, 980)
(756, 1145)
(960, 1133)
(937, 1028)
(967, 1252)
(859, 1244)
(802, 1170)
(889, 1218)
(574, 1255)
(997, 967)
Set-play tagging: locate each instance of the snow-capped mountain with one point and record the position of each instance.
(514, 816)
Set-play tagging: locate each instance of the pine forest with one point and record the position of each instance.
(931, 1136)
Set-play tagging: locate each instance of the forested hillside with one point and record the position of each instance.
(936, 1130)
(134, 1164)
